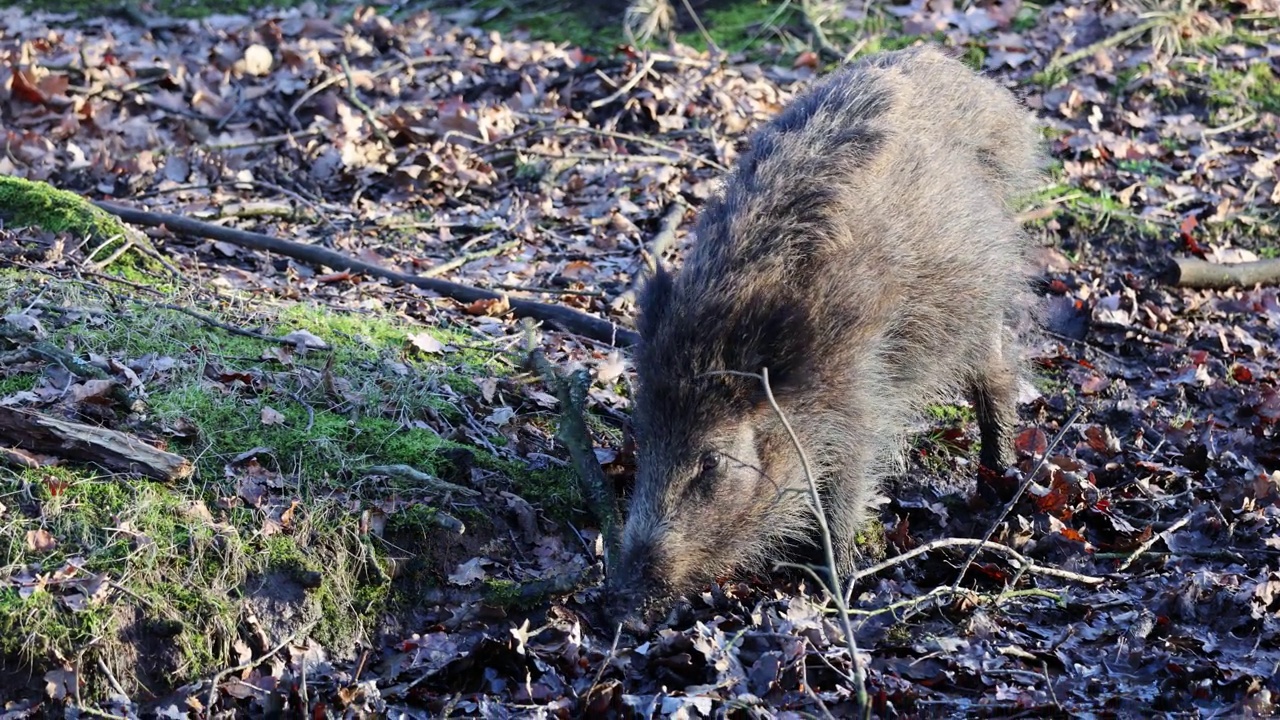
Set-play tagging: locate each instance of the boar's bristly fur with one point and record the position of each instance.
(865, 250)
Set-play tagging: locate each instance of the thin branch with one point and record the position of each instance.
(1145, 546)
(221, 674)
(815, 500)
(421, 479)
(597, 488)
(978, 546)
(360, 105)
(463, 259)
(234, 330)
(1022, 488)
(1064, 61)
(626, 87)
(1192, 272)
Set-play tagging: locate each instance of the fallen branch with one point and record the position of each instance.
(113, 450)
(430, 482)
(572, 430)
(978, 545)
(568, 319)
(1192, 272)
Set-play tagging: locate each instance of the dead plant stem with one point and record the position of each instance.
(815, 499)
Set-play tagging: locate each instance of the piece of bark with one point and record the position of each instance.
(1192, 272)
(566, 318)
(114, 450)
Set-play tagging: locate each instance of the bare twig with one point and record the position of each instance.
(1022, 488)
(259, 142)
(702, 30)
(222, 674)
(1064, 61)
(360, 105)
(626, 87)
(586, 130)
(858, 678)
(604, 665)
(457, 262)
(403, 64)
(1145, 546)
(111, 678)
(549, 291)
(125, 246)
(214, 322)
(658, 246)
(978, 546)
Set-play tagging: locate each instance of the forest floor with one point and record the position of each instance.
(288, 562)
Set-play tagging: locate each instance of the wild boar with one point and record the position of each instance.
(866, 251)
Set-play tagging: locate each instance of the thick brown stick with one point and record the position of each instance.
(563, 317)
(88, 443)
(1192, 272)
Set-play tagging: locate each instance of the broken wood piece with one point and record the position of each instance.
(114, 450)
(1192, 272)
(426, 480)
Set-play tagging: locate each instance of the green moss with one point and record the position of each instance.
(975, 56)
(415, 518)
(24, 203)
(182, 562)
(951, 414)
(502, 593)
(1027, 18)
(555, 489)
(737, 26)
(552, 21)
(1259, 86)
(870, 539)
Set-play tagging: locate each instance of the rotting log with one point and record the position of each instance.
(565, 318)
(114, 450)
(1192, 272)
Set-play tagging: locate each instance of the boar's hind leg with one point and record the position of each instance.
(994, 390)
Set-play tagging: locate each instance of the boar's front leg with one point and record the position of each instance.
(846, 502)
(994, 391)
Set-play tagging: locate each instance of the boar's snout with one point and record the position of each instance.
(639, 590)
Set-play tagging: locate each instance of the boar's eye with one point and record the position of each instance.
(710, 462)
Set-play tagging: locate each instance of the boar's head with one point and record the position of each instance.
(719, 485)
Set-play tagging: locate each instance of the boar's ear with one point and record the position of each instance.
(654, 301)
